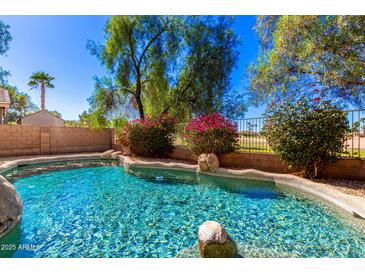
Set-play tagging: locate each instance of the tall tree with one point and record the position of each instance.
(316, 55)
(135, 51)
(209, 55)
(42, 80)
(165, 63)
(5, 38)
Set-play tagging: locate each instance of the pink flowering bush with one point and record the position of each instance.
(211, 134)
(153, 136)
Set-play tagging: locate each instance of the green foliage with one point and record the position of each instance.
(159, 64)
(211, 53)
(211, 134)
(153, 136)
(5, 38)
(72, 123)
(136, 52)
(39, 78)
(20, 103)
(55, 113)
(310, 54)
(306, 134)
(96, 119)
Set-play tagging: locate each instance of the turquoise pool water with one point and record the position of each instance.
(105, 212)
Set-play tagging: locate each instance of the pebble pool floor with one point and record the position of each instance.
(106, 212)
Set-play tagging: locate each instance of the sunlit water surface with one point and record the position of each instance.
(105, 212)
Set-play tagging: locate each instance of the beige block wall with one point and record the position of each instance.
(18, 140)
(73, 139)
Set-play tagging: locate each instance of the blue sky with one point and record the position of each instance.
(57, 45)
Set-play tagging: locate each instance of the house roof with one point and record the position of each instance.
(43, 112)
(4, 96)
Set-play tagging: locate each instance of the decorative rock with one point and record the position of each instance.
(115, 154)
(11, 206)
(214, 242)
(107, 154)
(212, 161)
(208, 162)
(202, 162)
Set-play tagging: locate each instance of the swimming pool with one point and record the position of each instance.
(102, 211)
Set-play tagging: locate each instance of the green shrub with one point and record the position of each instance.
(307, 134)
(211, 134)
(151, 137)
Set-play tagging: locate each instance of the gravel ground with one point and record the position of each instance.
(351, 187)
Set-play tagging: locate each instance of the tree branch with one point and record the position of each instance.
(150, 43)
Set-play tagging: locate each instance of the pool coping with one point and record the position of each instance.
(354, 205)
(47, 159)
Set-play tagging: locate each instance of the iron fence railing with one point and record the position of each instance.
(251, 137)
(355, 141)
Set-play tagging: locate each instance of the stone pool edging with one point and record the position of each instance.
(47, 159)
(352, 204)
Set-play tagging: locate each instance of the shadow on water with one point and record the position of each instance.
(253, 189)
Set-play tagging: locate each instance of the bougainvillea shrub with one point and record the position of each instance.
(307, 134)
(211, 134)
(153, 136)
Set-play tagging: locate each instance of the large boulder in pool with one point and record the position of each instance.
(214, 241)
(208, 162)
(11, 206)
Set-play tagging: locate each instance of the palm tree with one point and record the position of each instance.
(43, 80)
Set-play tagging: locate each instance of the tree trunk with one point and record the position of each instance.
(43, 96)
(138, 97)
(140, 107)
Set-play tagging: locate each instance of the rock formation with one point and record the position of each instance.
(214, 241)
(208, 162)
(11, 206)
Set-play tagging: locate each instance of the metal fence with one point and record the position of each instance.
(252, 139)
(355, 141)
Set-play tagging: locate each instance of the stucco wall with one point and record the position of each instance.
(42, 118)
(18, 140)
